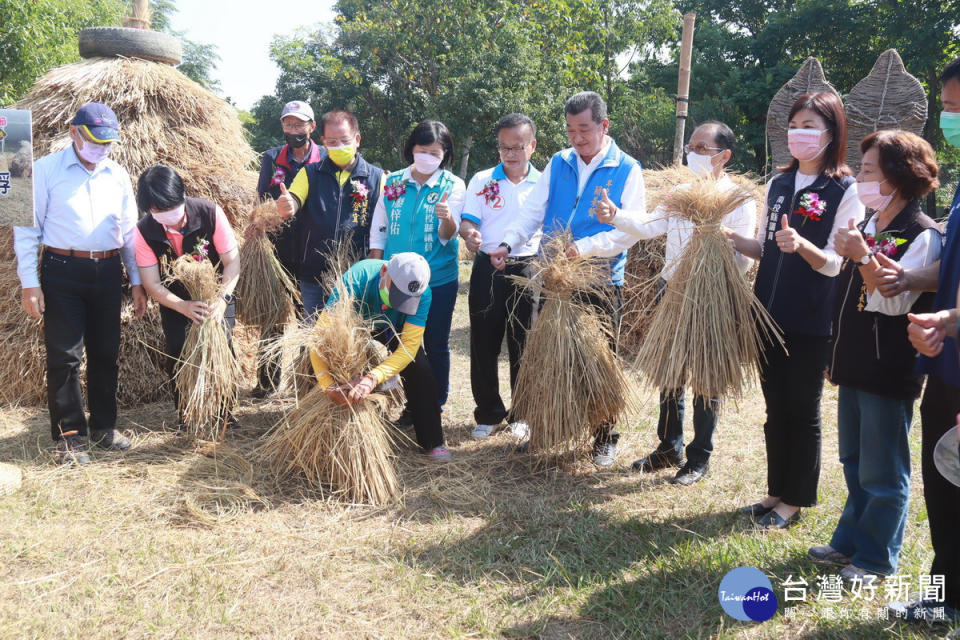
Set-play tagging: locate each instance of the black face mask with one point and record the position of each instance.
(296, 140)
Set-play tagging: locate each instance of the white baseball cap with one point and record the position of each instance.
(297, 109)
(410, 276)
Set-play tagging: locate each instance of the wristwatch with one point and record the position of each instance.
(509, 248)
(867, 257)
(228, 298)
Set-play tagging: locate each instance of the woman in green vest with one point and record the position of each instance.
(420, 212)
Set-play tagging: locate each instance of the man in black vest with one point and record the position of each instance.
(279, 166)
(332, 203)
(171, 225)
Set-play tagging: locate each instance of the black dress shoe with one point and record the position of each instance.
(756, 510)
(690, 473)
(773, 521)
(656, 461)
(260, 392)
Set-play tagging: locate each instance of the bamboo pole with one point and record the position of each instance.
(683, 85)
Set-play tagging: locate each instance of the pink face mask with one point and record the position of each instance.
(870, 196)
(805, 143)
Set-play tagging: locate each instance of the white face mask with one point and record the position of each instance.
(93, 153)
(700, 164)
(426, 163)
(170, 218)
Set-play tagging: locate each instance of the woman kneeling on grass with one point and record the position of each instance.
(807, 202)
(171, 224)
(396, 297)
(872, 359)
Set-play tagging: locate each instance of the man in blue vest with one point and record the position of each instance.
(565, 198)
(279, 167)
(934, 336)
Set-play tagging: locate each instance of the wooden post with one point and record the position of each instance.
(683, 85)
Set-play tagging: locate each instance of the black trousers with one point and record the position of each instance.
(498, 306)
(608, 305)
(175, 326)
(792, 386)
(82, 313)
(269, 369)
(420, 388)
(938, 413)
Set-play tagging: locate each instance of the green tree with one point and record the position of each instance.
(39, 35)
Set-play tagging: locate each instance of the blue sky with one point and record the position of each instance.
(242, 31)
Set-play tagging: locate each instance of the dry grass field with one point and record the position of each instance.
(168, 541)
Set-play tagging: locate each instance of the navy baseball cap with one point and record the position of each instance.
(98, 121)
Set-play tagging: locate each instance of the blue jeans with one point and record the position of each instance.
(314, 298)
(670, 426)
(876, 463)
(436, 337)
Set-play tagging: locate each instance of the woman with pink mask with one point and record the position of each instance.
(806, 203)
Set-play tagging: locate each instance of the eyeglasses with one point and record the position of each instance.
(508, 150)
(701, 149)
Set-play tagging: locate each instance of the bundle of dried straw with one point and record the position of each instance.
(707, 329)
(208, 374)
(266, 291)
(570, 380)
(348, 449)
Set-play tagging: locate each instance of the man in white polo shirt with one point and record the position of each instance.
(498, 304)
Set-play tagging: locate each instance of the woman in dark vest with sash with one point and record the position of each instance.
(872, 359)
(172, 224)
(807, 202)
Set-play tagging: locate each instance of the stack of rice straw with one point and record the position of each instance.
(265, 292)
(208, 375)
(346, 449)
(570, 381)
(706, 331)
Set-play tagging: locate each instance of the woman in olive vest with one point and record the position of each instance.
(872, 359)
(807, 202)
(172, 224)
(419, 211)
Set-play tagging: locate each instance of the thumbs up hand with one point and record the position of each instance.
(442, 209)
(788, 239)
(473, 239)
(605, 210)
(848, 242)
(287, 205)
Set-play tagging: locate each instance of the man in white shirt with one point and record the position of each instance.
(85, 217)
(709, 150)
(498, 304)
(565, 200)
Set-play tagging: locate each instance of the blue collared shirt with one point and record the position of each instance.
(78, 209)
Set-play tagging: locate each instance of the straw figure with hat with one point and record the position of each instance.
(166, 118)
(85, 217)
(338, 434)
(188, 260)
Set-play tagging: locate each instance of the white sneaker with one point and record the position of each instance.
(520, 429)
(483, 430)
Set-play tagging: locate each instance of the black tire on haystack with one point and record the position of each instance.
(109, 42)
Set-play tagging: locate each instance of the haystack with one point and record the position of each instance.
(165, 118)
(265, 292)
(809, 78)
(888, 98)
(707, 329)
(346, 449)
(21, 165)
(570, 381)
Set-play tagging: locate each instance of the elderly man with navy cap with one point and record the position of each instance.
(396, 297)
(85, 214)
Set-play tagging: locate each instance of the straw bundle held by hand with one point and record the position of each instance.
(345, 448)
(570, 381)
(265, 291)
(707, 329)
(208, 375)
